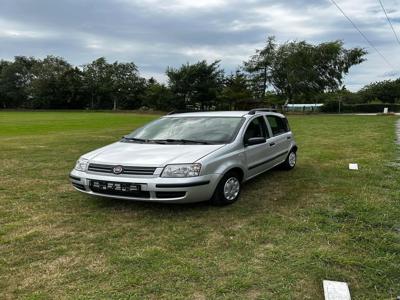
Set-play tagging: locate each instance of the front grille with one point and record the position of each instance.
(125, 169)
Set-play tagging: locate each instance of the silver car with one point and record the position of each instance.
(189, 157)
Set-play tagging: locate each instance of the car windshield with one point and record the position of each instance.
(202, 130)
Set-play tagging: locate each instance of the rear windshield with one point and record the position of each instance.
(213, 130)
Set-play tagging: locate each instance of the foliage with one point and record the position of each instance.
(235, 88)
(126, 85)
(15, 79)
(387, 91)
(157, 96)
(196, 85)
(344, 96)
(97, 81)
(300, 70)
(295, 70)
(48, 88)
(333, 107)
(260, 66)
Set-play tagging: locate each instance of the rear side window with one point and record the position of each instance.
(278, 125)
(286, 122)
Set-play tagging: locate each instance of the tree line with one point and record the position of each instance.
(295, 71)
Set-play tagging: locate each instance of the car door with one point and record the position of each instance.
(280, 141)
(258, 157)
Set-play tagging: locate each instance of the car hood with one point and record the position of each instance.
(155, 155)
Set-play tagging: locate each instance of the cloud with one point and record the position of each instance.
(14, 30)
(156, 34)
(179, 6)
(391, 74)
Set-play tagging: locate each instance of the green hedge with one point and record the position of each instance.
(333, 107)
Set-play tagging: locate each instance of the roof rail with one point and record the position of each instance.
(178, 112)
(253, 111)
(183, 112)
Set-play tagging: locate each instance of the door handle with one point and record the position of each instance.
(288, 138)
(272, 144)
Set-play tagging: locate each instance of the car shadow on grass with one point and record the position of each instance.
(165, 208)
(146, 205)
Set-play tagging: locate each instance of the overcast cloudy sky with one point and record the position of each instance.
(155, 34)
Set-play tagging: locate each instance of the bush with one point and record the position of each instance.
(371, 108)
(330, 107)
(333, 107)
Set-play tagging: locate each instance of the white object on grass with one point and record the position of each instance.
(353, 166)
(336, 290)
(386, 110)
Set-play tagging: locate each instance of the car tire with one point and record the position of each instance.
(227, 190)
(290, 161)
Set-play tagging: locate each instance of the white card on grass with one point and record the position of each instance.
(336, 290)
(353, 166)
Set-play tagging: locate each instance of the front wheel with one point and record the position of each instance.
(228, 190)
(290, 161)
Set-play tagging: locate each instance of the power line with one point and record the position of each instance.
(362, 34)
(390, 22)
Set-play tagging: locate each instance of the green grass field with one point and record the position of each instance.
(288, 232)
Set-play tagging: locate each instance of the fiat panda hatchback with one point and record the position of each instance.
(189, 157)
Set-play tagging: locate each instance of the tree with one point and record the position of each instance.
(119, 83)
(126, 84)
(97, 80)
(235, 89)
(300, 70)
(3, 88)
(276, 73)
(387, 91)
(196, 85)
(303, 70)
(259, 66)
(15, 78)
(49, 88)
(73, 88)
(157, 96)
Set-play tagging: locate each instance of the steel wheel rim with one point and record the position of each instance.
(292, 159)
(231, 188)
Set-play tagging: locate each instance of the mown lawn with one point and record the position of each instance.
(288, 232)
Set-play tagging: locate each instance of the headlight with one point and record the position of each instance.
(183, 170)
(81, 164)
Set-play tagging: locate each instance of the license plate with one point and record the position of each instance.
(115, 186)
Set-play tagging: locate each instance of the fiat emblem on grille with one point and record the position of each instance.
(117, 169)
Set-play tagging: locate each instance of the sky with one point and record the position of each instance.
(155, 34)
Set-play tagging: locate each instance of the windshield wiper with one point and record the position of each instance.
(135, 139)
(163, 141)
(184, 141)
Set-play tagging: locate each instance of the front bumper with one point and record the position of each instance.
(153, 189)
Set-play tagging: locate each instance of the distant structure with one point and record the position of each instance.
(303, 107)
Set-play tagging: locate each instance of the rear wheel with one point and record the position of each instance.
(290, 161)
(228, 189)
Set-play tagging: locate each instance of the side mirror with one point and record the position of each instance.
(255, 141)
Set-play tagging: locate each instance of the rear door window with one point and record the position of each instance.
(278, 125)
